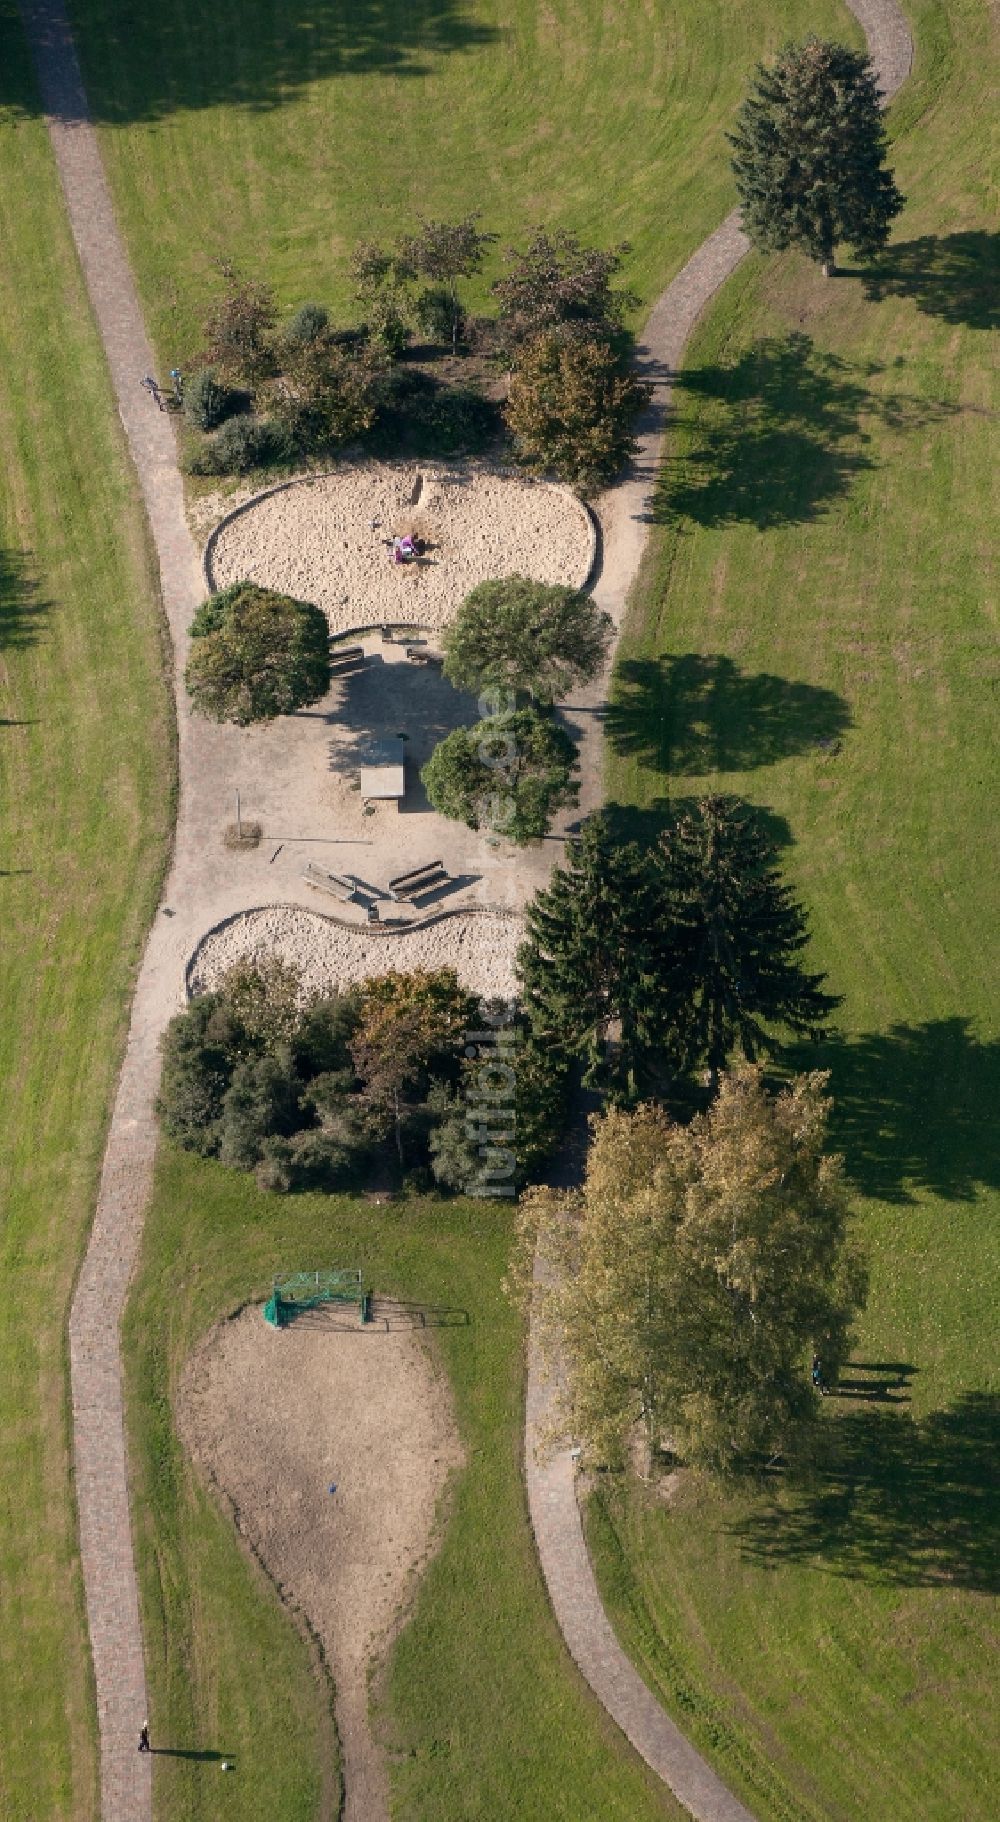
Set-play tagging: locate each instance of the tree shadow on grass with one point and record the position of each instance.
(780, 434)
(200, 1758)
(646, 823)
(698, 714)
(145, 63)
(914, 1108)
(22, 609)
(904, 1502)
(953, 276)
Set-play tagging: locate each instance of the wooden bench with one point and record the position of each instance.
(346, 658)
(415, 654)
(420, 880)
(324, 881)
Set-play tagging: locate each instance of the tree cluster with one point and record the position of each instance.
(256, 655)
(696, 1272)
(310, 1093)
(510, 640)
(264, 391)
(653, 966)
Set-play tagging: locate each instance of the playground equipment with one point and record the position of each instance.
(306, 1290)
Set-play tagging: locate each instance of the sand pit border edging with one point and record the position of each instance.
(504, 471)
(503, 913)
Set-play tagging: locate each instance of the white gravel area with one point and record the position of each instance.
(328, 956)
(323, 540)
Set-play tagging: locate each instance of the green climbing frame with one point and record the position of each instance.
(305, 1290)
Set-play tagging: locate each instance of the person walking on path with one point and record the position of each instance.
(154, 391)
(144, 1745)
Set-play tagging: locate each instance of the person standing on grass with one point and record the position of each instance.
(144, 1737)
(817, 1377)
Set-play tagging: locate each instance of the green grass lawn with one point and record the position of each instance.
(816, 631)
(85, 788)
(283, 135)
(482, 1715)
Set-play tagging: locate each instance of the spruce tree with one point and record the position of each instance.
(736, 936)
(809, 155)
(593, 959)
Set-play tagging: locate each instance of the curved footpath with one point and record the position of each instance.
(205, 884)
(551, 1477)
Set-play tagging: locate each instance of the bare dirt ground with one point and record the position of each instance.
(324, 540)
(329, 957)
(275, 1418)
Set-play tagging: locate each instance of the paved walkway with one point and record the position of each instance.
(205, 885)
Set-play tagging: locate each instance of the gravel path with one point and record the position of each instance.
(330, 956)
(204, 886)
(324, 540)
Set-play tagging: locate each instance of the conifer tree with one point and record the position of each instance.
(593, 958)
(736, 935)
(809, 155)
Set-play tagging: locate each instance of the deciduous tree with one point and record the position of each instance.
(256, 654)
(809, 154)
(695, 1274)
(558, 284)
(509, 773)
(406, 1024)
(444, 252)
(240, 329)
(571, 409)
(520, 635)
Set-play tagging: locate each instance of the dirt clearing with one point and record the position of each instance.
(277, 1418)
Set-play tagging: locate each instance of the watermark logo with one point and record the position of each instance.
(491, 1114)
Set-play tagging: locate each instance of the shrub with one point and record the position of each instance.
(268, 656)
(254, 1080)
(207, 400)
(196, 1073)
(433, 311)
(454, 1148)
(571, 409)
(386, 325)
(263, 999)
(242, 444)
(420, 415)
(309, 323)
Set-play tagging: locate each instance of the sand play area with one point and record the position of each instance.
(324, 540)
(480, 947)
(275, 1418)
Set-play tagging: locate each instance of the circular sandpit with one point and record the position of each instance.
(279, 1418)
(481, 948)
(324, 540)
